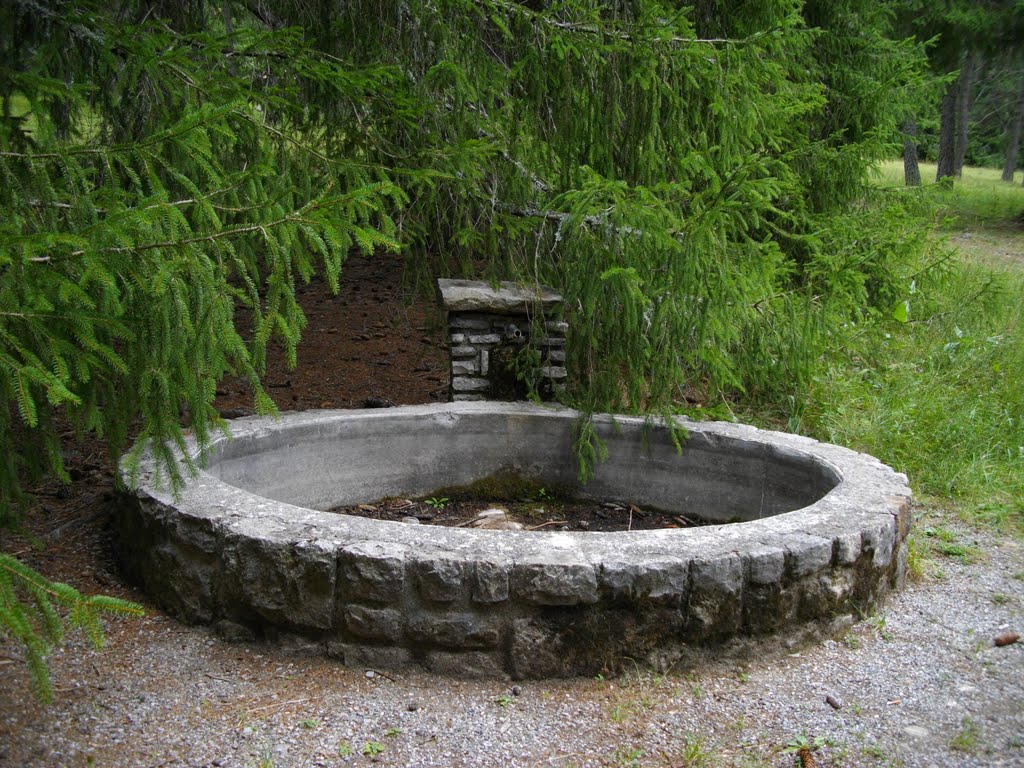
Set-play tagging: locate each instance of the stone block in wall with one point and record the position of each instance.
(464, 367)
(469, 323)
(555, 578)
(491, 582)
(551, 341)
(369, 623)
(373, 571)
(455, 631)
(468, 384)
(441, 579)
(553, 372)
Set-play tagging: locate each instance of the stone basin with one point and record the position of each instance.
(810, 534)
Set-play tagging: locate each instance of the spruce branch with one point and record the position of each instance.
(28, 611)
(626, 33)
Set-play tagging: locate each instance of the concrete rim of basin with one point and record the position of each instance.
(525, 604)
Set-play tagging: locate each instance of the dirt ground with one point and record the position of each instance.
(920, 684)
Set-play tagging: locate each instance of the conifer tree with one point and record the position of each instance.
(155, 175)
(689, 177)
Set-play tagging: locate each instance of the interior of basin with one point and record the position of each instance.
(353, 457)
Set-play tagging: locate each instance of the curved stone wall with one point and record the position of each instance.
(244, 547)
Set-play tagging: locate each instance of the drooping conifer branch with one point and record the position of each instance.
(635, 33)
(686, 178)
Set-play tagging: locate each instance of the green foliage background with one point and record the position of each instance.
(691, 178)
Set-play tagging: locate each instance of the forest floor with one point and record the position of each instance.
(919, 684)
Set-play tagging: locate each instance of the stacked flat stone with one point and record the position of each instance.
(480, 318)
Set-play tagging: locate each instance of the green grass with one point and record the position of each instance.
(968, 738)
(983, 215)
(941, 397)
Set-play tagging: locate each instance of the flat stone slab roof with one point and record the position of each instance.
(507, 299)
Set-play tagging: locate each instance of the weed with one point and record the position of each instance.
(620, 713)
(921, 562)
(739, 725)
(968, 738)
(941, 533)
(803, 744)
(946, 543)
(1001, 599)
(265, 760)
(878, 623)
(437, 502)
(876, 751)
(803, 740)
(628, 757)
(345, 749)
(1019, 575)
(309, 722)
(392, 732)
(372, 748)
(505, 700)
(696, 753)
(965, 553)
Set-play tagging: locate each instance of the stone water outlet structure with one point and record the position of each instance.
(810, 535)
(503, 340)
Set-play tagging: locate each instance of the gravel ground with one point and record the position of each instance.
(921, 684)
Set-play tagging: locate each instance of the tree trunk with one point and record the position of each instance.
(911, 171)
(947, 131)
(963, 109)
(1013, 145)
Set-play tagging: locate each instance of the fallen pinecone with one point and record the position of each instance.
(806, 758)
(1007, 638)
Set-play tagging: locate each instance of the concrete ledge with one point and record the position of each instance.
(822, 535)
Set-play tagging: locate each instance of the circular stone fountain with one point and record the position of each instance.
(820, 535)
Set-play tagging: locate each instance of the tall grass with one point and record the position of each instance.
(941, 396)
